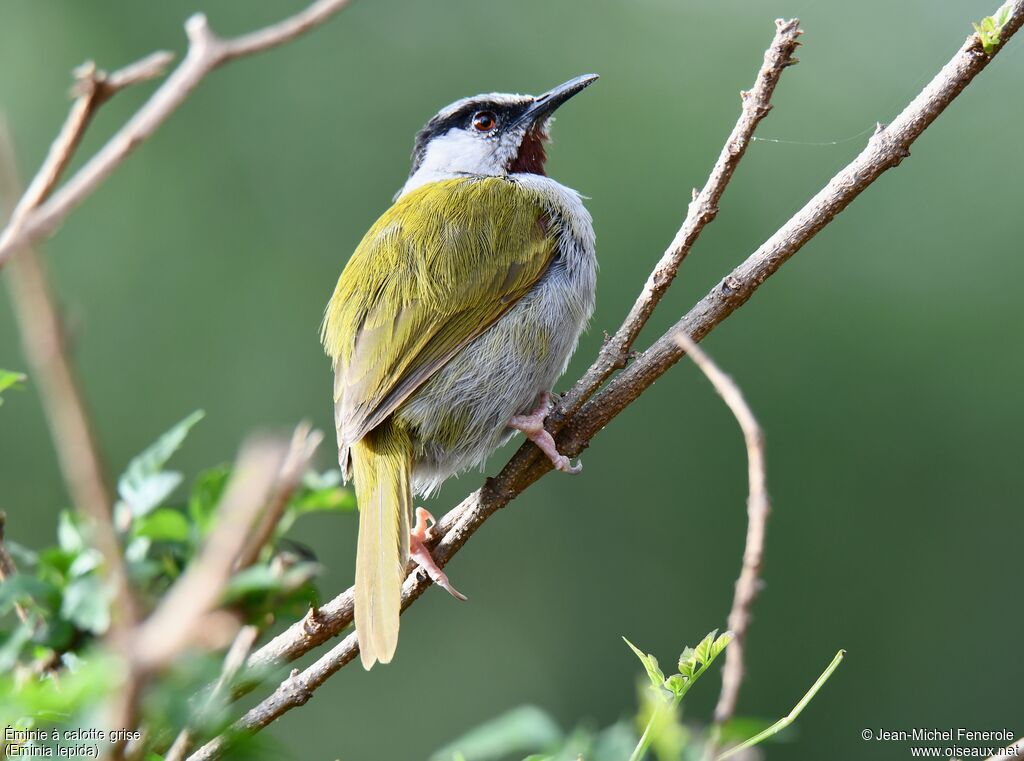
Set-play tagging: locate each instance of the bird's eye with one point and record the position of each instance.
(484, 121)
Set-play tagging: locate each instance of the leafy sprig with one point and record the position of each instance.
(11, 380)
(990, 28)
(67, 601)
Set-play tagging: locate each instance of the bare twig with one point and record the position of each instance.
(8, 568)
(886, 149)
(92, 89)
(233, 663)
(42, 337)
(889, 146)
(180, 618)
(304, 443)
(758, 506)
(702, 210)
(206, 52)
(173, 625)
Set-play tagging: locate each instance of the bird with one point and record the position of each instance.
(448, 327)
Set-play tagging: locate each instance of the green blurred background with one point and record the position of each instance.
(884, 361)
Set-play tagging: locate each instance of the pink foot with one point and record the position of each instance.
(533, 426)
(421, 555)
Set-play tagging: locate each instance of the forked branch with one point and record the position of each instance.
(206, 52)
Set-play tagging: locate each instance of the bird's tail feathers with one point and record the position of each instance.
(382, 465)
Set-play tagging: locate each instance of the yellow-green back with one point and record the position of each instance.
(440, 266)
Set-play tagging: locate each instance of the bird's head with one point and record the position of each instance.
(494, 134)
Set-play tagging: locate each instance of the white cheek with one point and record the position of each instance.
(459, 151)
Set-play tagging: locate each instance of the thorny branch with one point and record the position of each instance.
(885, 150)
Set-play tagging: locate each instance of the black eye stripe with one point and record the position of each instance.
(462, 118)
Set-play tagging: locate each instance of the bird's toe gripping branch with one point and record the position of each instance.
(532, 426)
(420, 554)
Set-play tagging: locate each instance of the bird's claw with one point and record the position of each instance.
(532, 426)
(564, 464)
(420, 553)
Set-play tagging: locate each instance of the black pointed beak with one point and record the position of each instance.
(545, 105)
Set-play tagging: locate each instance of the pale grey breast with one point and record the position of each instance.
(464, 408)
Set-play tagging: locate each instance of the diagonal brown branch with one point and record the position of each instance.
(206, 52)
(702, 210)
(758, 508)
(886, 149)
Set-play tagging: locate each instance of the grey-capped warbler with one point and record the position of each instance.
(448, 326)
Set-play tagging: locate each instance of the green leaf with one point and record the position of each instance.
(257, 579)
(688, 662)
(990, 29)
(260, 580)
(22, 588)
(87, 560)
(145, 484)
(11, 380)
(526, 729)
(720, 644)
(69, 533)
(23, 556)
(10, 649)
(86, 604)
(677, 684)
(163, 525)
(83, 687)
(654, 673)
(703, 651)
(331, 499)
(320, 492)
(206, 493)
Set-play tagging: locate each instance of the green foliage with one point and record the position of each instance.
(530, 730)
(145, 483)
(990, 28)
(521, 730)
(693, 662)
(789, 718)
(660, 703)
(10, 380)
(51, 670)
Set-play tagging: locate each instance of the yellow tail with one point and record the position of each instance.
(381, 464)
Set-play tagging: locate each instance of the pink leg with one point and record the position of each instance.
(533, 426)
(421, 555)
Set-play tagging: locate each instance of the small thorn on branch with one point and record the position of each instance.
(312, 623)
